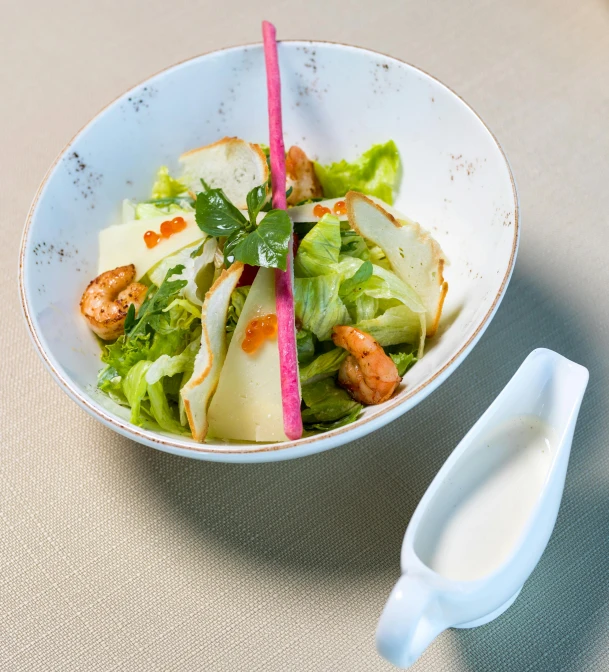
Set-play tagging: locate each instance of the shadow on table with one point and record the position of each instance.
(343, 513)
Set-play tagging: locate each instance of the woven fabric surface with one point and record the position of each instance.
(116, 557)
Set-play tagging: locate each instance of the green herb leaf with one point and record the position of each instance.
(255, 200)
(216, 215)
(268, 244)
(231, 243)
(151, 311)
(352, 288)
(130, 319)
(198, 251)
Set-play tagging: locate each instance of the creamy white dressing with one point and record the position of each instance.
(480, 511)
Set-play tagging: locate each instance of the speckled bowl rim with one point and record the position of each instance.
(319, 442)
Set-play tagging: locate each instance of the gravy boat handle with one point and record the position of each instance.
(408, 623)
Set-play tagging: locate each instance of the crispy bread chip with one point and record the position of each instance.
(198, 391)
(414, 255)
(234, 165)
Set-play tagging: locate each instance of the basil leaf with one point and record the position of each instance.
(216, 215)
(231, 243)
(255, 200)
(268, 244)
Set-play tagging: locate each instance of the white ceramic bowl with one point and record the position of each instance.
(337, 101)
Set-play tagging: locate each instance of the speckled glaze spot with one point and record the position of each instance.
(84, 178)
(48, 252)
(141, 99)
(462, 165)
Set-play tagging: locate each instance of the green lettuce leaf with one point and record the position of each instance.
(147, 365)
(326, 363)
(375, 173)
(314, 427)
(353, 245)
(327, 403)
(161, 411)
(403, 361)
(166, 186)
(396, 325)
(318, 306)
(109, 382)
(135, 388)
(319, 249)
(168, 366)
(305, 346)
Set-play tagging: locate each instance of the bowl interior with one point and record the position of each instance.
(337, 101)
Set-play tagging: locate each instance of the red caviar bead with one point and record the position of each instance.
(340, 208)
(151, 239)
(320, 210)
(166, 229)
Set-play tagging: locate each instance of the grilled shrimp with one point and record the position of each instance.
(368, 374)
(106, 301)
(301, 177)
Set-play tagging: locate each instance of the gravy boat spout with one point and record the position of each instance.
(485, 520)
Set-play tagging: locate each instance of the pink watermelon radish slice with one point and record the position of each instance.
(286, 329)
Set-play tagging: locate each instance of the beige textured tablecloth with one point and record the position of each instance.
(116, 557)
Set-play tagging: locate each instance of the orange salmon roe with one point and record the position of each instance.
(257, 331)
(320, 210)
(168, 228)
(151, 239)
(340, 208)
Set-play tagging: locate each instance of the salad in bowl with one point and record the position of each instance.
(185, 301)
(199, 286)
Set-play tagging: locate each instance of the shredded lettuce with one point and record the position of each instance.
(318, 306)
(166, 186)
(146, 366)
(375, 172)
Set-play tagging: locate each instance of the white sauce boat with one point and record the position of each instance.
(485, 520)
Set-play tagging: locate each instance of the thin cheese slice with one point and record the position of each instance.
(124, 244)
(210, 358)
(247, 405)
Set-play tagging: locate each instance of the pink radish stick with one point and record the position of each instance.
(284, 296)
